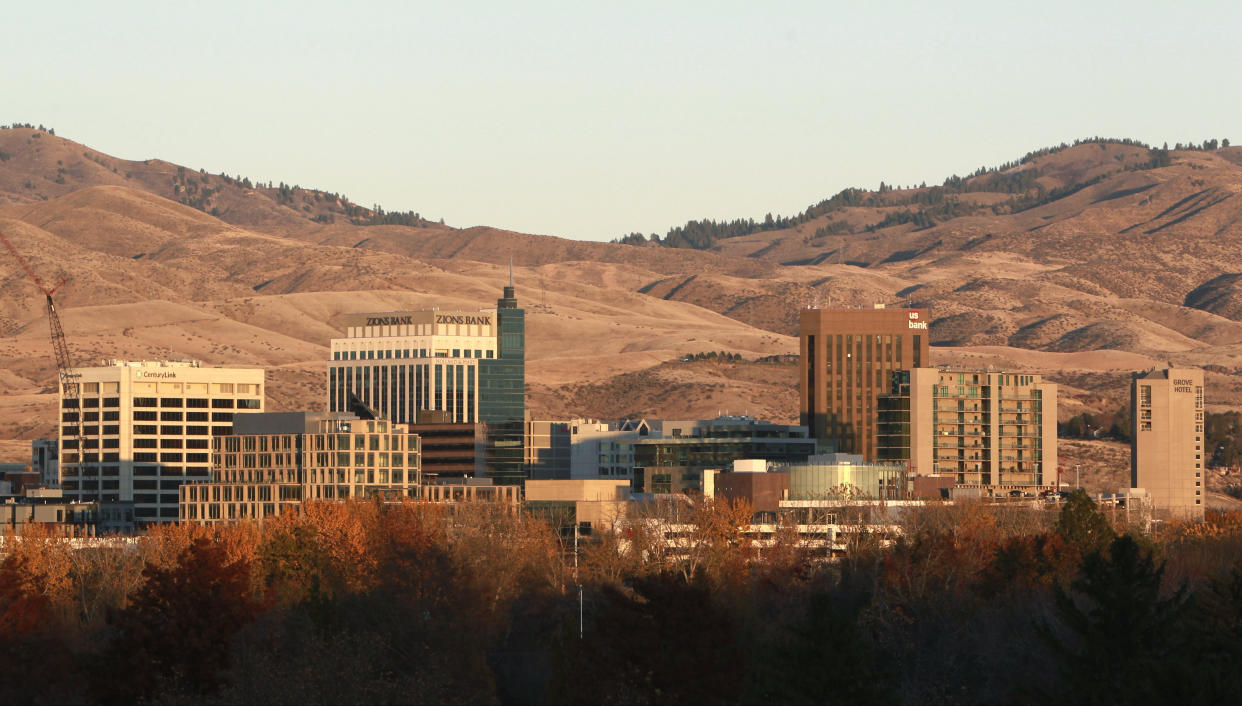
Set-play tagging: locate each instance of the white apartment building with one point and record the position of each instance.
(146, 428)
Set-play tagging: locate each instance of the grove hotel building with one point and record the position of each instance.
(847, 359)
(1166, 455)
(989, 429)
(146, 428)
(468, 365)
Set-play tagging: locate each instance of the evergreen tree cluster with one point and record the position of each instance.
(712, 355)
(28, 126)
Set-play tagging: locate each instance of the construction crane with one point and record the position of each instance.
(64, 366)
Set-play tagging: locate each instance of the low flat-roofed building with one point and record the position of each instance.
(47, 508)
(590, 503)
(753, 483)
(674, 461)
(842, 476)
(471, 490)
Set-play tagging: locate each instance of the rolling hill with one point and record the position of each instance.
(1084, 262)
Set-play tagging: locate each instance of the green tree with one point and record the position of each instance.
(1082, 525)
(1122, 645)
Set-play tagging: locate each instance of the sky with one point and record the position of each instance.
(592, 120)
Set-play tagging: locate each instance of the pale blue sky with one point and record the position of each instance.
(588, 121)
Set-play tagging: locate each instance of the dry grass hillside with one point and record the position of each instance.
(1128, 267)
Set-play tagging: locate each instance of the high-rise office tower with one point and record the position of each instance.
(848, 357)
(468, 366)
(1167, 451)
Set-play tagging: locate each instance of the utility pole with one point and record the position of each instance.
(576, 579)
(1076, 476)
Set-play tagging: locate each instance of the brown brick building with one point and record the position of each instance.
(847, 360)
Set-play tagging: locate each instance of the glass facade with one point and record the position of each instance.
(502, 398)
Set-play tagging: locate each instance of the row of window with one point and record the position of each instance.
(411, 353)
(145, 416)
(196, 402)
(89, 402)
(168, 457)
(167, 443)
(108, 416)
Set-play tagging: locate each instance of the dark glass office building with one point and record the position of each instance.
(502, 394)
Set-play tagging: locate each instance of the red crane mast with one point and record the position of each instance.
(64, 366)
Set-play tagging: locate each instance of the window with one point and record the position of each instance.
(247, 404)
(144, 402)
(196, 402)
(221, 403)
(171, 402)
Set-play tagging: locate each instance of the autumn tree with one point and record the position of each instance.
(177, 632)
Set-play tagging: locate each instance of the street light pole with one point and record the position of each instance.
(1076, 476)
(576, 579)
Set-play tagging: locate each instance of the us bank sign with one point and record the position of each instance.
(915, 323)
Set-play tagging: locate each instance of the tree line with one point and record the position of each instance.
(409, 602)
(933, 204)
